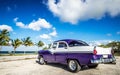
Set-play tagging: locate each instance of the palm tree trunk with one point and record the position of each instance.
(24, 51)
(37, 50)
(14, 51)
(0, 49)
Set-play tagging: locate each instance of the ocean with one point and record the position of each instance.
(17, 52)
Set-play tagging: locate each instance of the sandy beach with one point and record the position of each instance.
(16, 58)
(27, 65)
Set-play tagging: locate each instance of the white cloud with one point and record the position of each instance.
(54, 33)
(15, 19)
(7, 27)
(35, 25)
(40, 23)
(45, 36)
(118, 32)
(99, 42)
(74, 10)
(20, 24)
(109, 34)
(49, 36)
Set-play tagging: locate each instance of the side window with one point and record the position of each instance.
(62, 45)
(54, 45)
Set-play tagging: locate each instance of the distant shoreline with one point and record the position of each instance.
(17, 52)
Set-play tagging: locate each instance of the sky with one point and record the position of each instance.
(96, 21)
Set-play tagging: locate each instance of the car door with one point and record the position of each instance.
(50, 56)
(61, 52)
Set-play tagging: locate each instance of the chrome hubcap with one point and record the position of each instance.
(41, 60)
(72, 65)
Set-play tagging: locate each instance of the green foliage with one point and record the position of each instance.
(49, 45)
(27, 42)
(4, 38)
(45, 48)
(117, 54)
(40, 44)
(104, 46)
(16, 43)
(4, 41)
(115, 45)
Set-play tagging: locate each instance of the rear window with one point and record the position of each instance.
(77, 43)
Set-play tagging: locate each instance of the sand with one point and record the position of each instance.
(31, 67)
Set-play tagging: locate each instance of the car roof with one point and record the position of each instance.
(68, 40)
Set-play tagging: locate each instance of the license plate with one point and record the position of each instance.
(106, 60)
(105, 56)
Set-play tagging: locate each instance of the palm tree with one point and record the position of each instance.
(40, 44)
(45, 48)
(4, 38)
(16, 43)
(27, 42)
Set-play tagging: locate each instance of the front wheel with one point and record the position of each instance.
(73, 66)
(41, 60)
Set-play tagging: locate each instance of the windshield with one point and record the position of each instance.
(54, 45)
(77, 43)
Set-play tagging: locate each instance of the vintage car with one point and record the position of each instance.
(75, 54)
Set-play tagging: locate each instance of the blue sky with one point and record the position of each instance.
(49, 20)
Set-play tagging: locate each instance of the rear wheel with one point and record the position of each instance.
(41, 60)
(73, 66)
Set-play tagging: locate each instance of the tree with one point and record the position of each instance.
(104, 46)
(16, 43)
(115, 46)
(45, 48)
(27, 42)
(4, 38)
(49, 45)
(40, 44)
